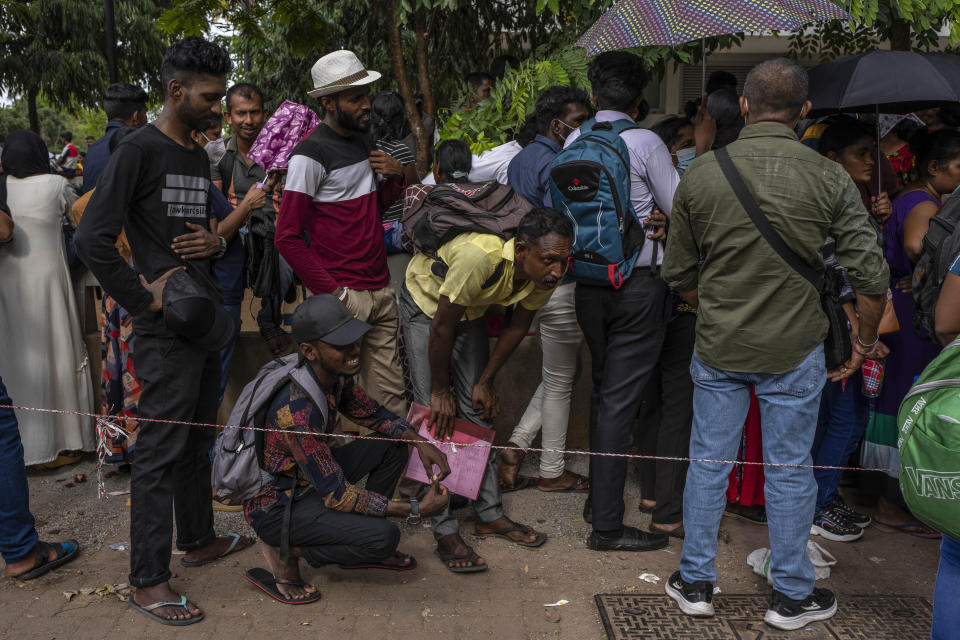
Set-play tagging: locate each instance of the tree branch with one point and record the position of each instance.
(403, 81)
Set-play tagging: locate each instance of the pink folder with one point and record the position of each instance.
(467, 463)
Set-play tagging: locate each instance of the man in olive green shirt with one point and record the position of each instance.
(760, 324)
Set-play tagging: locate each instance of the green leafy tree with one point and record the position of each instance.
(56, 49)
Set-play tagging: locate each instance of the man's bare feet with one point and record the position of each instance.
(216, 549)
(509, 468)
(454, 544)
(566, 481)
(503, 522)
(893, 516)
(18, 568)
(289, 570)
(145, 596)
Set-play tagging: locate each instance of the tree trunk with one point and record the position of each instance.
(900, 39)
(403, 81)
(423, 74)
(110, 31)
(32, 111)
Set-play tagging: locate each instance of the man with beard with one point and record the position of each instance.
(335, 180)
(235, 174)
(156, 188)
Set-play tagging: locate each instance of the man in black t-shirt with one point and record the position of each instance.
(156, 187)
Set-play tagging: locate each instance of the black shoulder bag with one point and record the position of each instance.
(837, 348)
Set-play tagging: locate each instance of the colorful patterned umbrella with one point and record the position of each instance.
(638, 23)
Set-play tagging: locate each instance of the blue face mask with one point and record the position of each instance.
(684, 158)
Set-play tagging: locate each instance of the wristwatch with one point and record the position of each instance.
(414, 517)
(223, 248)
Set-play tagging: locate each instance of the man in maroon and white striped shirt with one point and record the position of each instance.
(329, 228)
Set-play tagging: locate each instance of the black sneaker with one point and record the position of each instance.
(862, 520)
(830, 524)
(694, 598)
(788, 614)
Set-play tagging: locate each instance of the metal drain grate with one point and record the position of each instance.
(740, 617)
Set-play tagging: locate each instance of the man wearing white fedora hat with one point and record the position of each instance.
(329, 227)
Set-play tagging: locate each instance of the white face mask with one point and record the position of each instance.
(572, 129)
(215, 149)
(684, 158)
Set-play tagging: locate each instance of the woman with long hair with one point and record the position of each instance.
(938, 174)
(45, 362)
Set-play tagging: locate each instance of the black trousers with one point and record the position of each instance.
(170, 475)
(624, 330)
(333, 537)
(665, 420)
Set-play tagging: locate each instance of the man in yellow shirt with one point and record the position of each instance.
(443, 303)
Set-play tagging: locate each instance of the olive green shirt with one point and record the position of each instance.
(757, 315)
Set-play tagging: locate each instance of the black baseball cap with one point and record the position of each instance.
(326, 319)
(192, 314)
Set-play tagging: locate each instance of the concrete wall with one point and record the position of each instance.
(516, 383)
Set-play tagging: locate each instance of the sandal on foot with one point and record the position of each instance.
(522, 528)
(473, 568)
(234, 547)
(676, 532)
(386, 566)
(148, 610)
(922, 530)
(580, 484)
(266, 582)
(66, 551)
(522, 482)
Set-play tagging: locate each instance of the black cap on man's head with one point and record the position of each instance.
(326, 319)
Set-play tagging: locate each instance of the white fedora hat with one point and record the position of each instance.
(338, 71)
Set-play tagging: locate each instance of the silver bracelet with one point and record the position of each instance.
(868, 346)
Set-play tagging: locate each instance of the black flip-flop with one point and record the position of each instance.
(148, 609)
(384, 565)
(522, 482)
(265, 581)
(234, 547)
(66, 551)
(447, 557)
(522, 528)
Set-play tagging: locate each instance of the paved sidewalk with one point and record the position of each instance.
(504, 603)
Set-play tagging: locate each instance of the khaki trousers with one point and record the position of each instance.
(381, 374)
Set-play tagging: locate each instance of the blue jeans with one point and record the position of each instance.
(946, 605)
(226, 354)
(18, 536)
(842, 422)
(269, 315)
(789, 404)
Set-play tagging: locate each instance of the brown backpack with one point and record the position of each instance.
(434, 215)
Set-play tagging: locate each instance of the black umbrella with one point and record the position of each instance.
(888, 81)
(899, 81)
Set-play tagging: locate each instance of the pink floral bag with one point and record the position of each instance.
(286, 127)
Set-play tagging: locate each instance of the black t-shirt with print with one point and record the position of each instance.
(151, 188)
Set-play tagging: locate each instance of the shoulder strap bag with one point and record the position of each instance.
(837, 347)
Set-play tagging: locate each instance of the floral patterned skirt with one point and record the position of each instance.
(119, 387)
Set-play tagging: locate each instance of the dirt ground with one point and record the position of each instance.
(506, 602)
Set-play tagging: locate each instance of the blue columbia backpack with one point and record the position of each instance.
(590, 184)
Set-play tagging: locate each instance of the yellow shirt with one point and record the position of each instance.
(472, 259)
